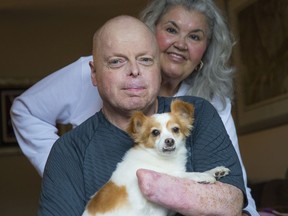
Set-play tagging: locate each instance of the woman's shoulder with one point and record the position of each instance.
(221, 104)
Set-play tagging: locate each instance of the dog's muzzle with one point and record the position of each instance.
(169, 145)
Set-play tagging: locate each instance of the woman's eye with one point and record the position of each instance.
(195, 37)
(171, 30)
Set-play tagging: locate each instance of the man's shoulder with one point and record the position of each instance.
(199, 103)
(82, 133)
(95, 128)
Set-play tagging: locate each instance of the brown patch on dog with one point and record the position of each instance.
(184, 113)
(136, 123)
(103, 201)
(140, 129)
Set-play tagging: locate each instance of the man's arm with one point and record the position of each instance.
(189, 197)
(62, 192)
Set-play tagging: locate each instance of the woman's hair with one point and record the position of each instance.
(215, 79)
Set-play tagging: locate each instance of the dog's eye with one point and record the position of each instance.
(175, 130)
(155, 132)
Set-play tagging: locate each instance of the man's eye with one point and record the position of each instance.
(114, 63)
(146, 61)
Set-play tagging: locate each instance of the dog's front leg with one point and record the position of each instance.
(218, 172)
(207, 177)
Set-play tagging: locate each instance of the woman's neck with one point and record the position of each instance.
(169, 88)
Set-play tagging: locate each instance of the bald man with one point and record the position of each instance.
(126, 71)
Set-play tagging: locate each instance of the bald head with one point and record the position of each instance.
(120, 29)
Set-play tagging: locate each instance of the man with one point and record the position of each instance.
(126, 71)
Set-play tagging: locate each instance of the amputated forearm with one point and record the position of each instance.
(188, 197)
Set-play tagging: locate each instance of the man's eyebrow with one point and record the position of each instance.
(113, 55)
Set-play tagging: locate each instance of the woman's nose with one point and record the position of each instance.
(180, 43)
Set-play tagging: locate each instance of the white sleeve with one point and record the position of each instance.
(228, 121)
(58, 98)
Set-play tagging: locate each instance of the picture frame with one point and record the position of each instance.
(9, 90)
(260, 55)
(7, 95)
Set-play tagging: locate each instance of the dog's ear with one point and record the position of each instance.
(183, 109)
(135, 123)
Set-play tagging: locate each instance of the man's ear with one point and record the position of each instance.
(93, 73)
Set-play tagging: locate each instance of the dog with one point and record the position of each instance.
(160, 146)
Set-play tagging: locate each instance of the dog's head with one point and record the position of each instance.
(166, 132)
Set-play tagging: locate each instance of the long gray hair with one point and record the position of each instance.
(215, 79)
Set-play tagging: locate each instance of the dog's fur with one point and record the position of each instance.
(159, 146)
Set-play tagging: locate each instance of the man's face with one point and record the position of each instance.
(126, 69)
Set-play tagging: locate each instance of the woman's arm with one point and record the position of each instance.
(228, 122)
(58, 98)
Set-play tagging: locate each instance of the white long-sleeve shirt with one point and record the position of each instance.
(68, 97)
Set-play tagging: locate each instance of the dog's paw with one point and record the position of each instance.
(219, 172)
(210, 181)
(204, 178)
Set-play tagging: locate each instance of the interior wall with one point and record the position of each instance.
(265, 154)
(19, 185)
(36, 42)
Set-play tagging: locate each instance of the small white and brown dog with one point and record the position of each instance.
(159, 146)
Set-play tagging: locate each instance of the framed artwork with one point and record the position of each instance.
(260, 28)
(7, 95)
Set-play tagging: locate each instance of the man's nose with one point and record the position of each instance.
(134, 69)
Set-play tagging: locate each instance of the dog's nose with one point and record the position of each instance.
(169, 142)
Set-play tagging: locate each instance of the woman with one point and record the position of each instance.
(195, 45)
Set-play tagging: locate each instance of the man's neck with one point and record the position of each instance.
(121, 118)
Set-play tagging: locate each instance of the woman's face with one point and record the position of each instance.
(182, 38)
